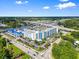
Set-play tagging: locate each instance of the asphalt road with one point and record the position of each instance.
(44, 55)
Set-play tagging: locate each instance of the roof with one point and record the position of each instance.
(15, 32)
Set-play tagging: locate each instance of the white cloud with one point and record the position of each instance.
(65, 5)
(18, 2)
(64, 0)
(21, 2)
(26, 1)
(46, 7)
(29, 10)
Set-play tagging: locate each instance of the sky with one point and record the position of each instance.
(39, 8)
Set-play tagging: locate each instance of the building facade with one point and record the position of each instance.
(32, 34)
(39, 35)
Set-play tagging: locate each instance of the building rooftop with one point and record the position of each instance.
(36, 27)
(14, 32)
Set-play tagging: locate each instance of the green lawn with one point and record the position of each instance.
(78, 55)
(26, 56)
(17, 51)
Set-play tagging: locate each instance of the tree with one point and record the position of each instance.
(2, 42)
(75, 34)
(72, 23)
(6, 54)
(68, 38)
(36, 42)
(64, 50)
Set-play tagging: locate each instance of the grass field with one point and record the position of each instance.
(17, 52)
(78, 56)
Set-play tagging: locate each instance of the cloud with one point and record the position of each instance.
(18, 2)
(29, 10)
(26, 1)
(64, 0)
(21, 2)
(46, 7)
(65, 5)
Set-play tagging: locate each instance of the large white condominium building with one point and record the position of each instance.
(39, 35)
(35, 33)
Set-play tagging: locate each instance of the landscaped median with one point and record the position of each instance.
(38, 46)
(37, 49)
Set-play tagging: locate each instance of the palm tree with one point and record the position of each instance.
(2, 42)
(6, 54)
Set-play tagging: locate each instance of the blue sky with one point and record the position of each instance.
(39, 7)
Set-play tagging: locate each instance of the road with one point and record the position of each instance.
(67, 29)
(59, 27)
(27, 50)
(47, 54)
(24, 48)
(44, 55)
